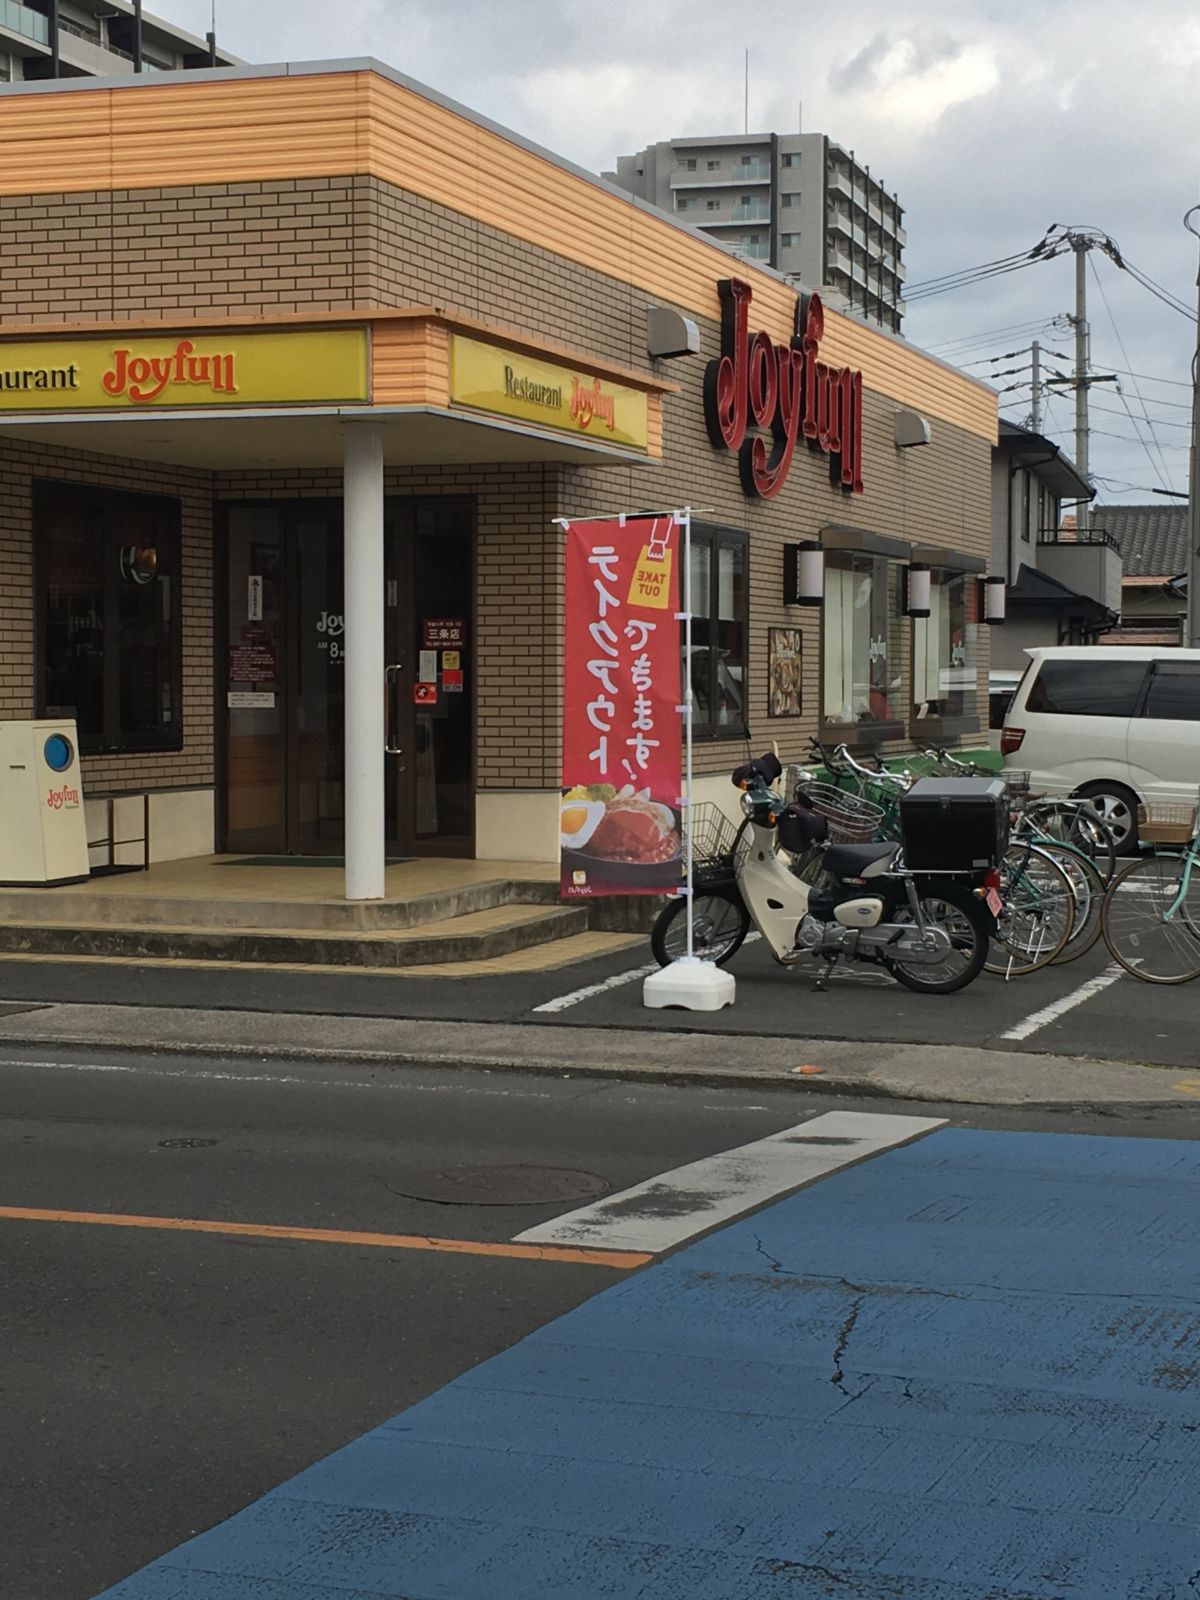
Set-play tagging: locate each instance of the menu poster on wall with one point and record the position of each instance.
(619, 822)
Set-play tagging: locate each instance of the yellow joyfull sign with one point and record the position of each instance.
(156, 371)
(492, 378)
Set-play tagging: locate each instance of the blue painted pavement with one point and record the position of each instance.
(966, 1370)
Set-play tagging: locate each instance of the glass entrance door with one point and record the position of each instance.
(282, 661)
(431, 653)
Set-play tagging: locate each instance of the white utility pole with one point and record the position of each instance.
(1035, 400)
(1193, 570)
(1081, 247)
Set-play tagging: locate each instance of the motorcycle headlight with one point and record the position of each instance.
(748, 803)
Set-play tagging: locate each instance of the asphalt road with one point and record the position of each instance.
(1126, 1021)
(156, 1381)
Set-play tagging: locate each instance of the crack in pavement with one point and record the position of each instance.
(843, 1339)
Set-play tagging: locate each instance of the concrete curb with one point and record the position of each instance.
(938, 1074)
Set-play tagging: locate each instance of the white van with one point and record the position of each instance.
(1119, 725)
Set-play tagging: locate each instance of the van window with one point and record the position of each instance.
(1175, 691)
(1087, 688)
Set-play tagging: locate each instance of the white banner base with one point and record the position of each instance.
(689, 984)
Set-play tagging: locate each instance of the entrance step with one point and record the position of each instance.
(476, 935)
(245, 905)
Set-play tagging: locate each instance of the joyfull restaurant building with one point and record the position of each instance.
(298, 365)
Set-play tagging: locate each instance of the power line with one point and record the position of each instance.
(951, 278)
(973, 341)
(1161, 468)
(1146, 377)
(1162, 422)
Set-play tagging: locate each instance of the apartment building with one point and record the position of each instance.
(798, 202)
(94, 39)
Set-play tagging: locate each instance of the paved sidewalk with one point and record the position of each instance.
(948, 1074)
(964, 1370)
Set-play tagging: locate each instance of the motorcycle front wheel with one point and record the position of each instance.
(720, 924)
(957, 913)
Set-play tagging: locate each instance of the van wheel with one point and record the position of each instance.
(1118, 808)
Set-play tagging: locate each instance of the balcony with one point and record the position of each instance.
(1087, 560)
(755, 213)
(838, 182)
(696, 180)
(29, 24)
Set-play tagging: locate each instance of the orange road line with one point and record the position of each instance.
(623, 1259)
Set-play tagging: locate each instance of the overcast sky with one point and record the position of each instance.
(989, 120)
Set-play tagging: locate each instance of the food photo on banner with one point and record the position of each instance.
(619, 821)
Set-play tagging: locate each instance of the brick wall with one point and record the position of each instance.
(336, 243)
(20, 464)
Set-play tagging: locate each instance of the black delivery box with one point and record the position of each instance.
(954, 824)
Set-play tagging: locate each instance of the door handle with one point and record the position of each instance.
(391, 678)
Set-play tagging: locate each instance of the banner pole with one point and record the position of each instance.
(686, 520)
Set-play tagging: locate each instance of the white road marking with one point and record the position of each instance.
(563, 1001)
(190, 1075)
(664, 1211)
(1051, 1013)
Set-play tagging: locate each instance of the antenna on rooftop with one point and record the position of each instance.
(212, 37)
(746, 112)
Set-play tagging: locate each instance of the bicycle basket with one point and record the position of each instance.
(851, 819)
(713, 836)
(1163, 823)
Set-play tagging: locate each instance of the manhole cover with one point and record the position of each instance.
(500, 1186)
(185, 1144)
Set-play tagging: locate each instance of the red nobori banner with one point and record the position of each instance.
(622, 730)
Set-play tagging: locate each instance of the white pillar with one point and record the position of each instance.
(365, 822)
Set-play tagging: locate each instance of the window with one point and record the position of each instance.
(746, 160)
(945, 682)
(719, 632)
(1175, 692)
(107, 575)
(862, 650)
(1087, 688)
(713, 166)
(790, 200)
(712, 205)
(790, 159)
(790, 241)
(683, 205)
(689, 166)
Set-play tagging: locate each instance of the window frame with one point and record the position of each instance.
(941, 726)
(716, 535)
(171, 508)
(867, 733)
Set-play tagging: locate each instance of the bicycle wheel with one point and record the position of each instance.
(1078, 824)
(1151, 919)
(1087, 886)
(1037, 914)
(719, 926)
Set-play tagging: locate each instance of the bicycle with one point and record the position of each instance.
(1151, 913)
(1039, 901)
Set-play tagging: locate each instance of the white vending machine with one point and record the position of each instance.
(43, 835)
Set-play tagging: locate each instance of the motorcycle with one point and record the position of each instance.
(827, 902)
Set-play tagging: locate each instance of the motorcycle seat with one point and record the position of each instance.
(854, 860)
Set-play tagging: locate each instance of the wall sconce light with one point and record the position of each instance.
(803, 574)
(993, 599)
(917, 591)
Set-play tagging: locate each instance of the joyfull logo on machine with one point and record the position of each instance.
(619, 818)
(787, 390)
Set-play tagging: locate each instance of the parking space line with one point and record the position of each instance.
(510, 1250)
(563, 1002)
(1050, 1013)
(665, 1211)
